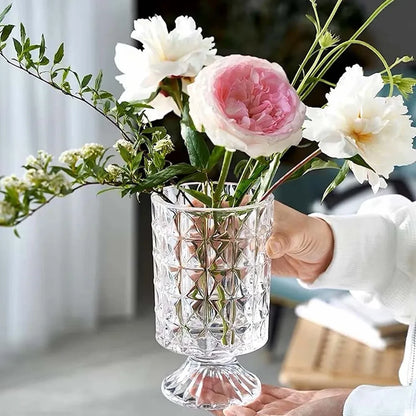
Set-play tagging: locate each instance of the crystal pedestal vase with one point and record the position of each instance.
(212, 291)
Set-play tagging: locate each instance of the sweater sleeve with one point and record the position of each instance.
(375, 254)
(377, 401)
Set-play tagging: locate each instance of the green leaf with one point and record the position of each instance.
(16, 233)
(314, 164)
(200, 196)
(246, 184)
(137, 160)
(5, 33)
(125, 154)
(98, 80)
(65, 73)
(104, 95)
(358, 160)
(198, 150)
(4, 12)
(59, 54)
(312, 20)
(161, 177)
(107, 106)
(86, 80)
(112, 188)
(216, 155)
(22, 33)
(44, 61)
(193, 177)
(337, 180)
(42, 48)
(17, 46)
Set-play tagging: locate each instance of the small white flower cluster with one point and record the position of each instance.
(164, 146)
(41, 161)
(13, 182)
(58, 184)
(91, 150)
(70, 157)
(7, 212)
(55, 182)
(114, 171)
(124, 143)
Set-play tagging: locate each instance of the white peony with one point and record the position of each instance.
(357, 121)
(183, 52)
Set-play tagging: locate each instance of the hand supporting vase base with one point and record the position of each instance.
(211, 385)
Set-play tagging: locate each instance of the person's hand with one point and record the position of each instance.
(300, 246)
(279, 401)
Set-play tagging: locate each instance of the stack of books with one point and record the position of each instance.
(373, 325)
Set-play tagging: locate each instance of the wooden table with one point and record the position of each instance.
(319, 358)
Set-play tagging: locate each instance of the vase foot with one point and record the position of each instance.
(211, 385)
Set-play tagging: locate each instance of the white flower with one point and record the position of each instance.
(91, 150)
(58, 184)
(113, 170)
(13, 182)
(164, 145)
(70, 157)
(357, 121)
(124, 143)
(44, 158)
(183, 52)
(30, 161)
(7, 212)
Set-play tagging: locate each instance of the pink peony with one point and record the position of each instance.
(246, 103)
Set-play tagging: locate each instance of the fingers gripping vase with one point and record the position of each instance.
(212, 292)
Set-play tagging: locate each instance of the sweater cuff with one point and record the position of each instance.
(377, 401)
(359, 240)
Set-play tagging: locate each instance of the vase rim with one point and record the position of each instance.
(157, 198)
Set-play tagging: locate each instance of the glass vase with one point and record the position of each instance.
(212, 295)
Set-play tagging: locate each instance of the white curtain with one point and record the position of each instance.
(74, 261)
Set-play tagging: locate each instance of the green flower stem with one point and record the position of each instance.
(368, 46)
(316, 41)
(47, 201)
(216, 200)
(311, 69)
(332, 56)
(288, 174)
(244, 175)
(270, 174)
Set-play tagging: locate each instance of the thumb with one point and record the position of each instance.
(277, 245)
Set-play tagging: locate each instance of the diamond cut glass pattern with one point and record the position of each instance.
(212, 284)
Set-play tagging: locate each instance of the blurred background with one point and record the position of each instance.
(76, 329)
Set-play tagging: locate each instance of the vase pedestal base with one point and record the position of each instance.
(211, 384)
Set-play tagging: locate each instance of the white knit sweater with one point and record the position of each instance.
(375, 258)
